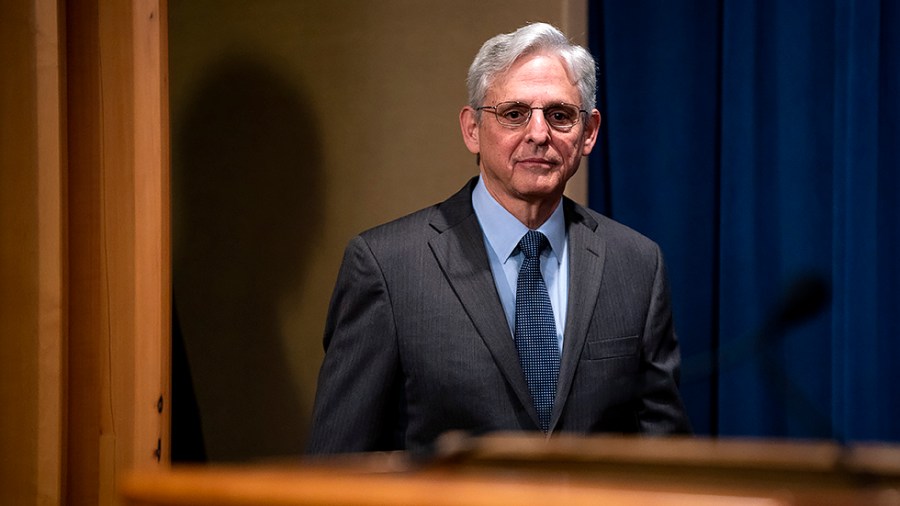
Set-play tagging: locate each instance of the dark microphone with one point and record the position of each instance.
(804, 298)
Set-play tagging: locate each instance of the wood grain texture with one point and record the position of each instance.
(119, 246)
(32, 256)
(531, 470)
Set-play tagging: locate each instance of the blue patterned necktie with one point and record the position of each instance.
(535, 330)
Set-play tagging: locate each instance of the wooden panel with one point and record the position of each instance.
(118, 219)
(86, 320)
(52, 262)
(152, 230)
(18, 261)
(31, 254)
(78, 413)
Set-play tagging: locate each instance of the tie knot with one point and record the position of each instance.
(533, 243)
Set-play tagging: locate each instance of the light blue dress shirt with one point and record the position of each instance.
(502, 232)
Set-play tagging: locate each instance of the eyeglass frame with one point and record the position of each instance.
(493, 110)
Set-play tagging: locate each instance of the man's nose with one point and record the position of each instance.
(538, 131)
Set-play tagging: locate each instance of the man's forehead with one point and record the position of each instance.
(534, 74)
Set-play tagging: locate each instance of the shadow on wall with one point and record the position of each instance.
(246, 196)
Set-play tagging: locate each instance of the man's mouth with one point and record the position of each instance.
(546, 162)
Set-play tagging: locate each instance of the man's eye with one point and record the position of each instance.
(559, 115)
(514, 115)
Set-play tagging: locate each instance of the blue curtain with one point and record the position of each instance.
(759, 143)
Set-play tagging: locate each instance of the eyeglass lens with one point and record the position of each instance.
(562, 116)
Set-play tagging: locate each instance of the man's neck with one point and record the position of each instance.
(531, 212)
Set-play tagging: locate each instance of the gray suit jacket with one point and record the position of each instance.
(417, 342)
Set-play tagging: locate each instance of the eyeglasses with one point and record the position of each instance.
(561, 117)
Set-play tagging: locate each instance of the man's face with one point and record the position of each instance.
(532, 162)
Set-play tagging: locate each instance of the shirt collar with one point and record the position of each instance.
(503, 230)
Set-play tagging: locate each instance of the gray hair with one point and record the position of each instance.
(500, 52)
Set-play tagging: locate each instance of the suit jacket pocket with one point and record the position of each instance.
(611, 348)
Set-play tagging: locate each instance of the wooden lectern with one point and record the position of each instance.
(530, 470)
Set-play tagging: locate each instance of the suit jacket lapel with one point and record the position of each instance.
(587, 252)
(460, 251)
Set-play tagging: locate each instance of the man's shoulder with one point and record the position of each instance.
(600, 223)
(615, 234)
(427, 221)
(412, 223)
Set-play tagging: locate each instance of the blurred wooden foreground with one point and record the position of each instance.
(525, 470)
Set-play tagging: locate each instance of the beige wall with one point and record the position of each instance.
(295, 125)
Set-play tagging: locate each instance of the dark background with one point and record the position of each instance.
(758, 143)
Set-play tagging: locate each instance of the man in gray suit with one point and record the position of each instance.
(434, 324)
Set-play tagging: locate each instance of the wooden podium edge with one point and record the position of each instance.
(531, 470)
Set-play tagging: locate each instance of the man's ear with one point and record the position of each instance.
(591, 129)
(468, 124)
